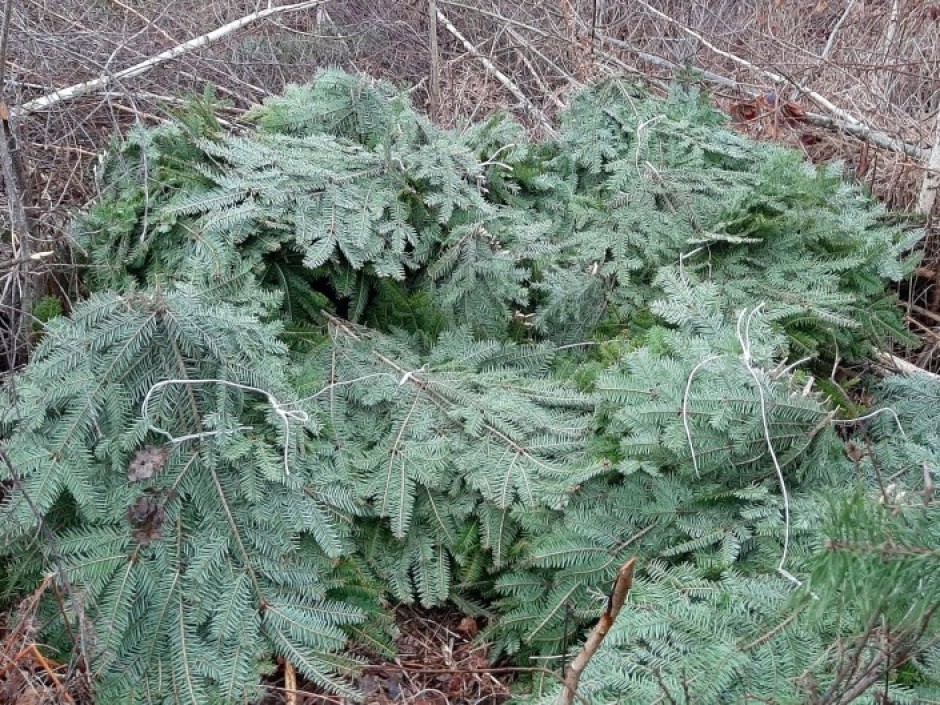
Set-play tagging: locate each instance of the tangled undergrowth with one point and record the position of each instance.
(347, 357)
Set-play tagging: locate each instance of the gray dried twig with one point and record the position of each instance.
(106, 79)
(618, 595)
(517, 93)
(17, 288)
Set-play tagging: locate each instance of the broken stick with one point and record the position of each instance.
(618, 595)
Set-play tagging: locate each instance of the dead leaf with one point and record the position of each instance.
(468, 625)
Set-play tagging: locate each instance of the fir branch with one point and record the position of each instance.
(427, 387)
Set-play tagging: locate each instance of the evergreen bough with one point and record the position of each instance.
(344, 355)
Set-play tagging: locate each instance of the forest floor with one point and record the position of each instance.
(437, 661)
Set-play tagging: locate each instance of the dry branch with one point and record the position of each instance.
(615, 600)
(434, 91)
(526, 45)
(17, 290)
(775, 77)
(867, 134)
(893, 362)
(835, 30)
(855, 129)
(845, 121)
(148, 22)
(928, 192)
(290, 683)
(499, 75)
(79, 89)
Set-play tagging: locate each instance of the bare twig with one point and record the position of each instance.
(615, 600)
(290, 683)
(928, 192)
(894, 362)
(507, 21)
(818, 98)
(835, 30)
(434, 91)
(888, 77)
(34, 257)
(422, 668)
(929, 486)
(892, 27)
(920, 309)
(855, 129)
(20, 231)
(499, 75)
(525, 45)
(138, 15)
(51, 99)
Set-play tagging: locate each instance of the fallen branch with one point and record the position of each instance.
(931, 185)
(434, 91)
(868, 134)
(893, 362)
(615, 600)
(290, 683)
(835, 30)
(855, 129)
(16, 187)
(499, 75)
(846, 121)
(776, 77)
(924, 312)
(526, 45)
(79, 89)
(34, 257)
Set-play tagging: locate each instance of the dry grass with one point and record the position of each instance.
(438, 661)
(28, 676)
